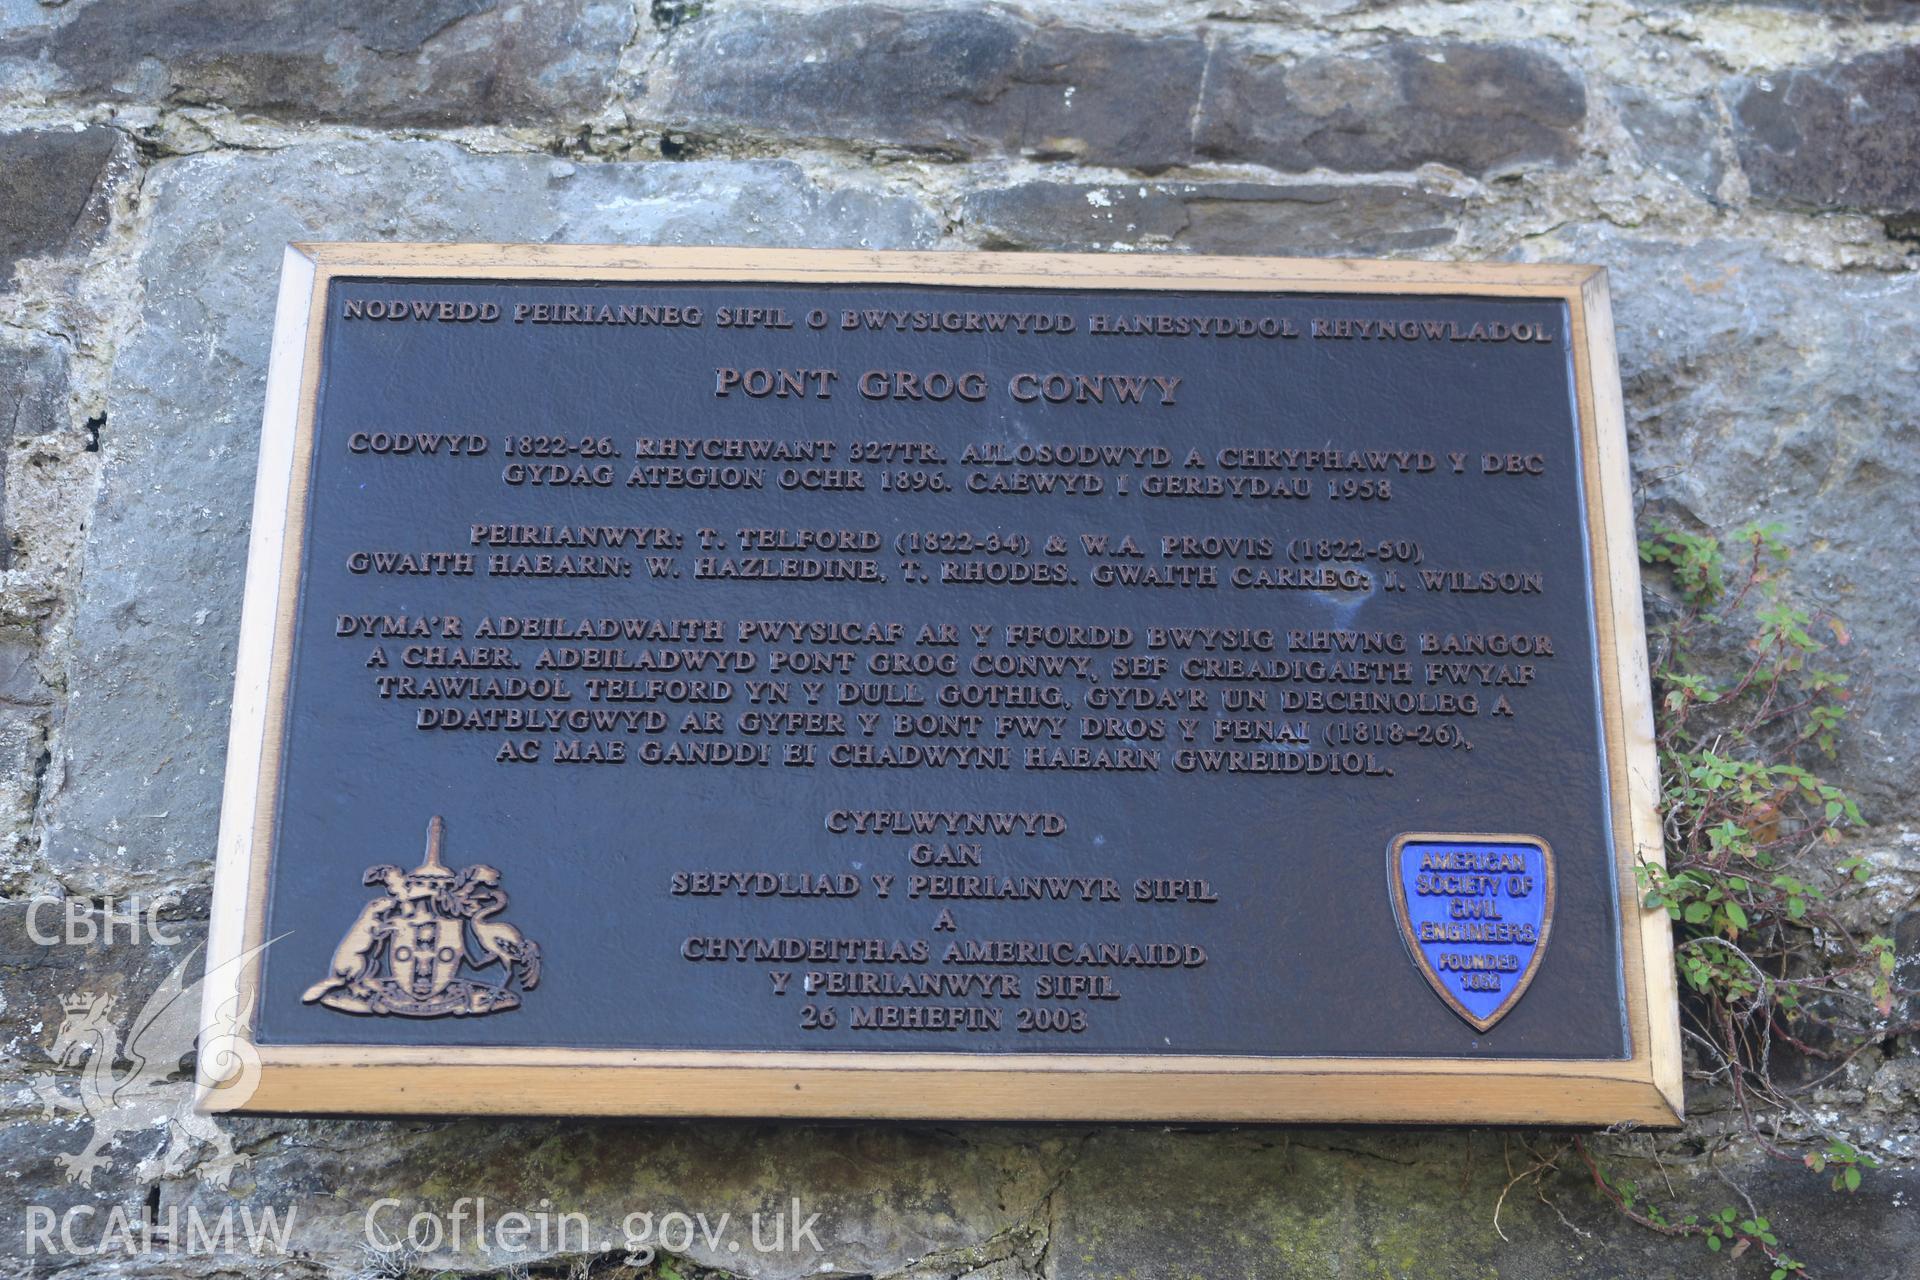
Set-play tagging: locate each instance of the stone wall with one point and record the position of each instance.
(1750, 172)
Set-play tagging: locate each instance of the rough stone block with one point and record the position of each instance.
(1841, 135)
(1758, 390)
(1221, 217)
(886, 1197)
(1678, 138)
(958, 82)
(969, 82)
(52, 191)
(23, 747)
(33, 402)
(1831, 10)
(438, 62)
(94, 957)
(1474, 107)
(54, 1102)
(139, 774)
(1319, 1203)
(1906, 944)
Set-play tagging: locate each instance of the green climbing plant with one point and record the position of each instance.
(1756, 879)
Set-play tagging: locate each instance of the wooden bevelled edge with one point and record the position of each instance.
(1363, 1090)
(230, 989)
(1645, 839)
(976, 268)
(499, 1081)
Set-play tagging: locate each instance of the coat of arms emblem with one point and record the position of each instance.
(405, 952)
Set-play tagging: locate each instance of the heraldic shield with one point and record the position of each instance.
(1475, 911)
(405, 952)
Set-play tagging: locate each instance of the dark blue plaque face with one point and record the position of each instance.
(1475, 911)
(884, 668)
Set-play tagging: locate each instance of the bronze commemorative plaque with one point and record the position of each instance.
(729, 682)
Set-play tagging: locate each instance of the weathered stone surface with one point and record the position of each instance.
(1834, 136)
(1474, 107)
(108, 950)
(1757, 390)
(121, 965)
(885, 1196)
(1861, 10)
(23, 755)
(1319, 1203)
(51, 191)
(1906, 942)
(949, 81)
(33, 402)
(1221, 217)
(1754, 389)
(966, 82)
(1679, 138)
(139, 775)
(445, 61)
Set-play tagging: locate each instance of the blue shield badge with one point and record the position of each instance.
(1475, 911)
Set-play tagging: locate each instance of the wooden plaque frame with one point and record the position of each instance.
(1644, 1088)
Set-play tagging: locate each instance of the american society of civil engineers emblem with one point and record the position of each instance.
(406, 951)
(1475, 911)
